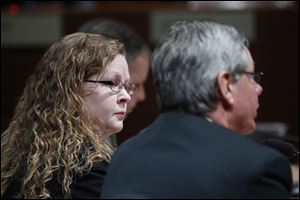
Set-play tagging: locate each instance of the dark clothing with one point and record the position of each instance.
(185, 156)
(86, 186)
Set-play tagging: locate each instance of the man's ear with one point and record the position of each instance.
(226, 87)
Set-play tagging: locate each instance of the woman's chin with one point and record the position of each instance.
(112, 130)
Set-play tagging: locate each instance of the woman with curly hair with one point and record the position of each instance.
(55, 145)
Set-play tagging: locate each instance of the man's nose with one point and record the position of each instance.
(140, 94)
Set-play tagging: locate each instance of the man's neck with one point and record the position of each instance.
(219, 116)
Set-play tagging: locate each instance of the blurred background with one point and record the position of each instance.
(29, 27)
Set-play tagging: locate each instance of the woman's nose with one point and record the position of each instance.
(124, 96)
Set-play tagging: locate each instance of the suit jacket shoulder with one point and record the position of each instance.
(185, 156)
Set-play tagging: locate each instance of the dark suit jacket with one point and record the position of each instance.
(185, 156)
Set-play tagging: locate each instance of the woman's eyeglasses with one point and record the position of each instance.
(117, 87)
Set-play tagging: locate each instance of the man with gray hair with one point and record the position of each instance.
(208, 93)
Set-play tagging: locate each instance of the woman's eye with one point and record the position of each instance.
(108, 82)
(116, 83)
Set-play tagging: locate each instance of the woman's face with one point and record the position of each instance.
(108, 107)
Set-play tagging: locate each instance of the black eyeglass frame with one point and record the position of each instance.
(257, 76)
(130, 90)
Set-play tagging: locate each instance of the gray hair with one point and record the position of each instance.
(187, 62)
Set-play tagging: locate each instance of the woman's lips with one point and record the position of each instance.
(120, 115)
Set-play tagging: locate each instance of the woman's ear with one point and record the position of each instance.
(226, 87)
